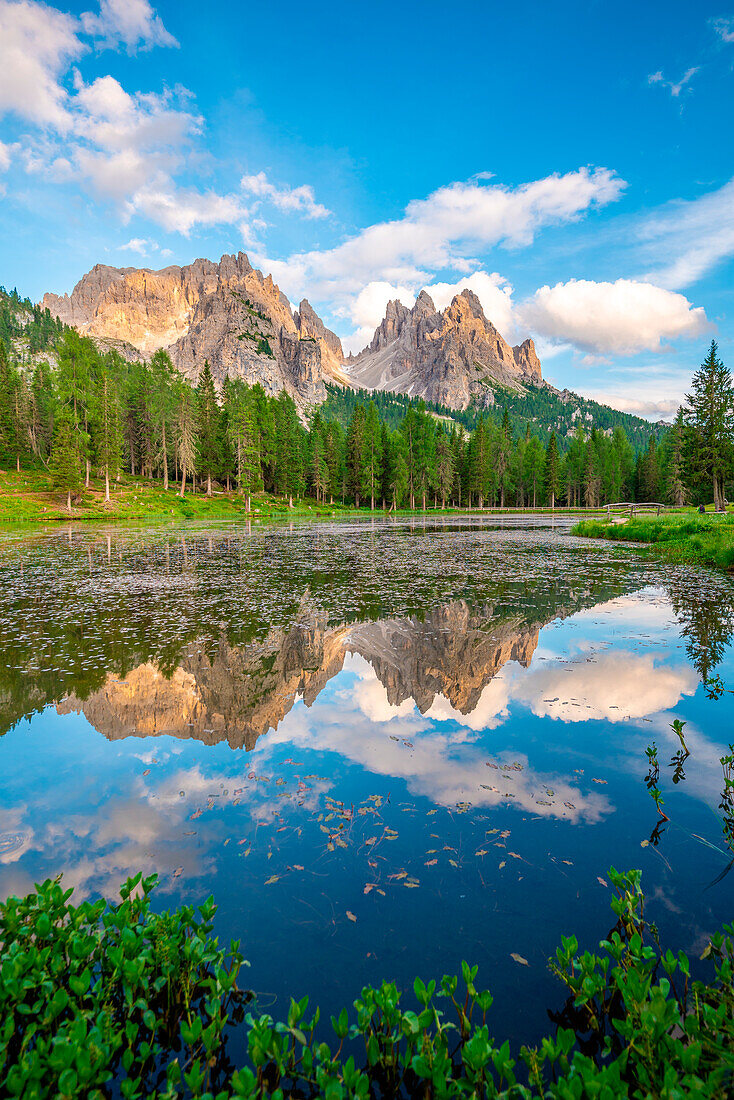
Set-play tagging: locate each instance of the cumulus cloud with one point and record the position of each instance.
(128, 148)
(492, 290)
(138, 244)
(289, 199)
(674, 87)
(131, 23)
(622, 318)
(5, 156)
(443, 231)
(37, 44)
(618, 686)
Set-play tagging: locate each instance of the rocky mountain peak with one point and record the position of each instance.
(452, 357)
(228, 313)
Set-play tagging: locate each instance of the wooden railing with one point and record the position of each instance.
(635, 506)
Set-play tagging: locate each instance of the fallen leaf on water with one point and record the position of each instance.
(453, 863)
(367, 888)
(598, 780)
(271, 880)
(502, 864)
(644, 843)
(600, 880)
(351, 916)
(177, 872)
(147, 771)
(567, 862)
(297, 867)
(481, 852)
(519, 959)
(370, 840)
(514, 855)
(431, 862)
(411, 885)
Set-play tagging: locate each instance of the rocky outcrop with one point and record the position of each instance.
(452, 357)
(227, 313)
(239, 694)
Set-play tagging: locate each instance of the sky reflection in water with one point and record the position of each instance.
(438, 729)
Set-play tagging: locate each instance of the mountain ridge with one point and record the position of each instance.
(451, 357)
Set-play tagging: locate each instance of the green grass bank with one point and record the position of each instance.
(684, 536)
(29, 497)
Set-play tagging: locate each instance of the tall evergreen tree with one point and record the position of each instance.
(709, 412)
(552, 470)
(209, 452)
(64, 462)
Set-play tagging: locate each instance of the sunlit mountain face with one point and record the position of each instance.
(439, 727)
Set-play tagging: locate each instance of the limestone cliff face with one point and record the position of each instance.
(239, 694)
(227, 313)
(450, 356)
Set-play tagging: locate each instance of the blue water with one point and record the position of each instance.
(382, 747)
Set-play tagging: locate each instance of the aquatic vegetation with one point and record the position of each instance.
(96, 996)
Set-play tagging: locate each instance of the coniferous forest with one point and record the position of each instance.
(94, 413)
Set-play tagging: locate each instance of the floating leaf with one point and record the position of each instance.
(271, 880)
(177, 872)
(147, 771)
(600, 880)
(519, 959)
(351, 916)
(502, 864)
(644, 843)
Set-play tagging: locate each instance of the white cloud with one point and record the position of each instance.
(724, 27)
(131, 23)
(492, 290)
(688, 239)
(180, 210)
(622, 318)
(138, 244)
(675, 87)
(37, 43)
(292, 200)
(617, 686)
(443, 231)
(5, 156)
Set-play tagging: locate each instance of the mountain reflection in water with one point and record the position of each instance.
(439, 727)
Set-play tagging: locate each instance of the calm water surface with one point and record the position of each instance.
(384, 747)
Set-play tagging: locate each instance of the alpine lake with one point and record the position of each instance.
(382, 746)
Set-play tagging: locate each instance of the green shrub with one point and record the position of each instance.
(95, 997)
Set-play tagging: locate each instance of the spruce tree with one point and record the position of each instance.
(107, 429)
(552, 470)
(64, 462)
(209, 449)
(709, 411)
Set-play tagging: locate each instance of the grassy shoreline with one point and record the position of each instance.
(680, 536)
(28, 497)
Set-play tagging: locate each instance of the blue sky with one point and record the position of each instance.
(573, 163)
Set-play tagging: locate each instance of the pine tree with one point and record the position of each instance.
(107, 430)
(372, 451)
(186, 438)
(64, 462)
(709, 412)
(674, 443)
(552, 470)
(444, 468)
(163, 387)
(209, 451)
(356, 461)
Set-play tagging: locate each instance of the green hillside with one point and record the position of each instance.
(545, 409)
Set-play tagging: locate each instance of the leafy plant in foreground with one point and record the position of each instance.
(97, 1000)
